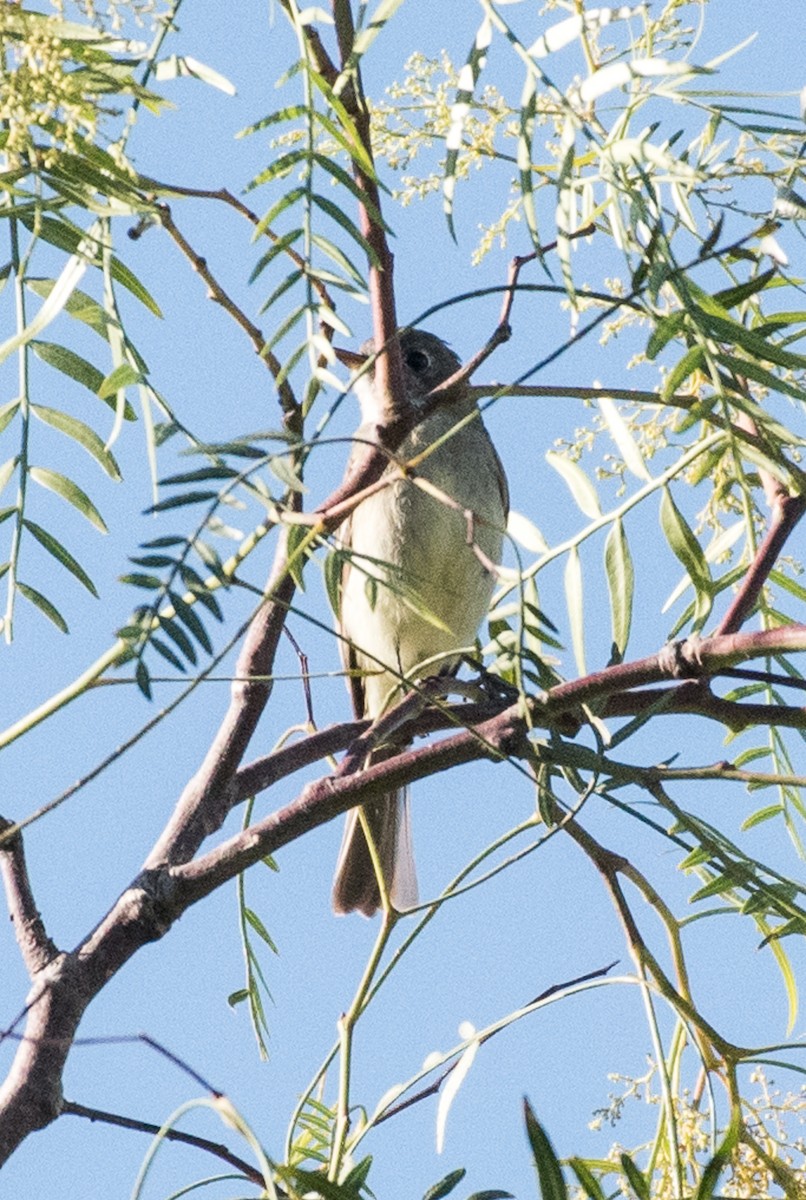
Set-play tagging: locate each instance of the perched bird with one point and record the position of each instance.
(413, 587)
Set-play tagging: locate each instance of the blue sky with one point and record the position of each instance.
(542, 922)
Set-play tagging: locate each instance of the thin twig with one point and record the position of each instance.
(227, 197)
(434, 1087)
(220, 296)
(306, 681)
(72, 1109)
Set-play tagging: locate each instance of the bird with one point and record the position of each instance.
(416, 582)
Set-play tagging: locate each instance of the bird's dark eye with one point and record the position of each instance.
(418, 361)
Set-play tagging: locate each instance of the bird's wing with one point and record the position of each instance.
(503, 486)
(355, 682)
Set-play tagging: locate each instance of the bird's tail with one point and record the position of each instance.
(355, 884)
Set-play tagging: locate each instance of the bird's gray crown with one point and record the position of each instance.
(427, 360)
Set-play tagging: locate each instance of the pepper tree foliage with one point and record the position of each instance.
(611, 134)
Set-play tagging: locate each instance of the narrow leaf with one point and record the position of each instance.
(691, 361)
(547, 1164)
(167, 653)
(123, 376)
(82, 434)
(578, 483)
(43, 604)
(573, 599)
(79, 305)
(143, 679)
(69, 491)
(69, 363)
(717, 1164)
(587, 1180)
(628, 447)
(61, 554)
(687, 549)
(620, 584)
(637, 1180)
(446, 1185)
(260, 929)
(451, 1090)
(191, 620)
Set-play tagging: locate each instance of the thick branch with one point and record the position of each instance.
(36, 948)
(206, 800)
(787, 511)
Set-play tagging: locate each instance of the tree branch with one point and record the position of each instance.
(35, 946)
(71, 1108)
(217, 293)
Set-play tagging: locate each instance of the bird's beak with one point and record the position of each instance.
(351, 358)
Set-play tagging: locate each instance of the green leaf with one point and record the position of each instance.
(717, 1164)
(143, 679)
(628, 447)
(280, 166)
(61, 554)
(238, 997)
(279, 247)
(167, 653)
(43, 604)
(153, 560)
(292, 113)
(620, 584)
(8, 413)
(333, 168)
(578, 483)
(190, 619)
(587, 1180)
(260, 929)
(82, 434)
(77, 368)
(69, 491)
(283, 286)
(136, 579)
(78, 305)
(446, 1185)
(731, 297)
(333, 210)
(290, 198)
(549, 1171)
(178, 65)
(691, 361)
(338, 256)
(200, 475)
(725, 882)
(284, 470)
(178, 636)
(573, 598)
(666, 329)
(763, 814)
(68, 237)
(69, 363)
(196, 497)
(638, 1182)
(332, 569)
(687, 549)
(296, 538)
(124, 375)
(736, 334)
(316, 1183)
(285, 326)
(743, 367)
(460, 110)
